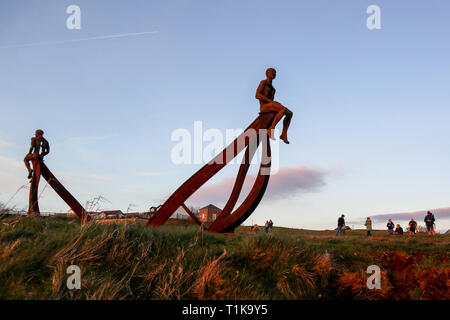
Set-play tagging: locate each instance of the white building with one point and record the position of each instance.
(180, 214)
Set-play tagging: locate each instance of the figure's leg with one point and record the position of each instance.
(276, 106)
(286, 122)
(27, 164)
(279, 109)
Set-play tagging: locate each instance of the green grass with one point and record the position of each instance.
(131, 261)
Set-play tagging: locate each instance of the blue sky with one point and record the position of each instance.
(371, 107)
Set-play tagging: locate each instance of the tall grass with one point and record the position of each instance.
(131, 261)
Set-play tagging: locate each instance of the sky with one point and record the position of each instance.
(369, 136)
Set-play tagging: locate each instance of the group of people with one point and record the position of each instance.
(399, 230)
(268, 226)
(429, 222)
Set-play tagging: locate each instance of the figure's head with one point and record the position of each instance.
(390, 220)
(429, 212)
(398, 226)
(39, 133)
(342, 216)
(271, 73)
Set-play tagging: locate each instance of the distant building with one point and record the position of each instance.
(180, 214)
(72, 214)
(111, 214)
(134, 215)
(59, 215)
(208, 213)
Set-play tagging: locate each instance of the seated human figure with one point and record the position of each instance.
(266, 94)
(399, 230)
(38, 143)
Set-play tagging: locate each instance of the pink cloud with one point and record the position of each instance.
(287, 182)
(442, 213)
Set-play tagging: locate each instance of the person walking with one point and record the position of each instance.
(390, 225)
(266, 226)
(368, 225)
(429, 221)
(270, 225)
(412, 226)
(341, 226)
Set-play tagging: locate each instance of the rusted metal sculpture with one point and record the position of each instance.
(33, 205)
(227, 221)
(38, 150)
(63, 193)
(258, 132)
(39, 168)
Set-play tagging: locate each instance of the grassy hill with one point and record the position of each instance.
(131, 261)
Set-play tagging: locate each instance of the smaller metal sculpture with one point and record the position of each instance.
(35, 155)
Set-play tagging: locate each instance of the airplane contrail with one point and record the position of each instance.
(78, 40)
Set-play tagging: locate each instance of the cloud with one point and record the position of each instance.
(5, 144)
(128, 175)
(288, 182)
(92, 138)
(142, 186)
(82, 146)
(11, 163)
(440, 213)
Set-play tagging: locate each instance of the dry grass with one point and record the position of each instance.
(130, 261)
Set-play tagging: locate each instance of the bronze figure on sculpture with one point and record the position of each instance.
(38, 142)
(230, 218)
(265, 94)
(38, 150)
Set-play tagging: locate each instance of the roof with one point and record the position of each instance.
(210, 206)
(133, 214)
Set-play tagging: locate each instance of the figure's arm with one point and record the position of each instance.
(260, 93)
(45, 147)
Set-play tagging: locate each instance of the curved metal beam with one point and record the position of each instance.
(235, 219)
(263, 121)
(243, 169)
